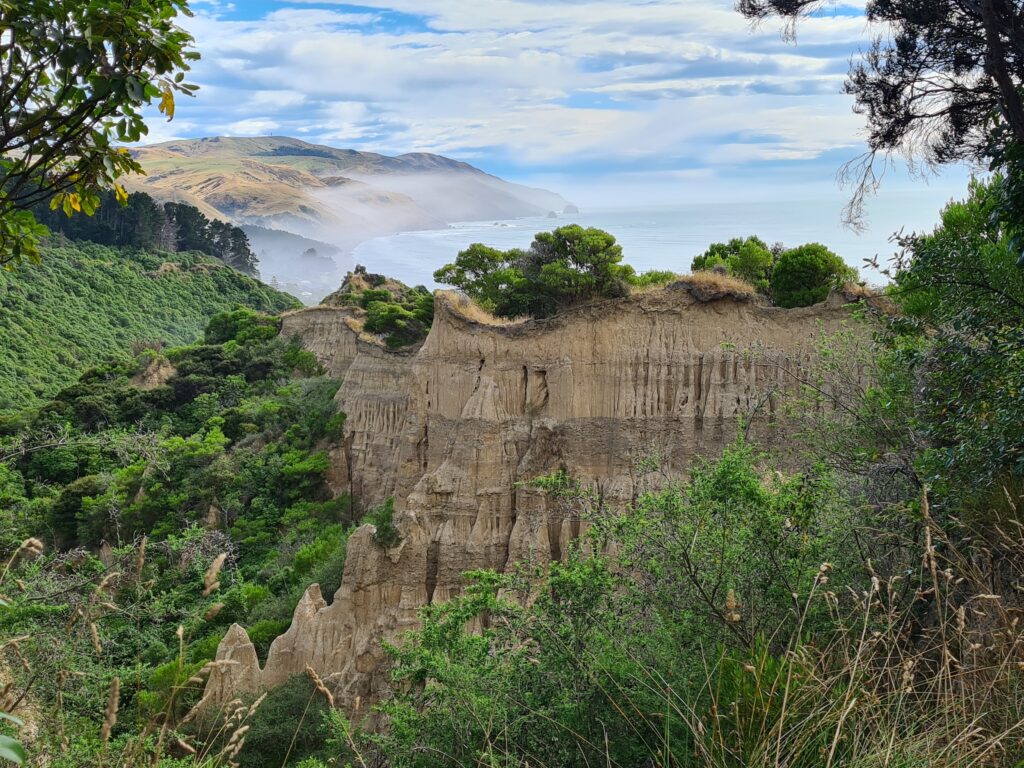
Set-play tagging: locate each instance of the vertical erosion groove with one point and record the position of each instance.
(698, 394)
(526, 390)
(433, 555)
(423, 447)
(555, 539)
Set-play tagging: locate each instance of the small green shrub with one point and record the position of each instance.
(241, 325)
(749, 259)
(804, 275)
(401, 323)
(382, 518)
(289, 727)
(653, 277)
(400, 315)
(265, 631)
(326, 546)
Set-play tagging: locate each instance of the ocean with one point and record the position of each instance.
(661, 237)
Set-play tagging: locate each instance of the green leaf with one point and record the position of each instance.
(12, 751)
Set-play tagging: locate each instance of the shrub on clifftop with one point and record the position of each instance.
(573, 265)
(804, 275)
(400, 315)
(748, 258)
(561, 268)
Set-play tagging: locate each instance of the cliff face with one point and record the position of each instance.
(452, 430)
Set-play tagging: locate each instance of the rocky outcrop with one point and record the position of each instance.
(156, 373)
(452, 431)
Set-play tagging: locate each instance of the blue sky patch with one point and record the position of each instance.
(534, 88)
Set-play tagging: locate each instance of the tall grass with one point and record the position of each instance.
(917, 670)
(166, 737)
(917, 666)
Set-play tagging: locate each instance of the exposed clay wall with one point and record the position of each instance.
(451, 430)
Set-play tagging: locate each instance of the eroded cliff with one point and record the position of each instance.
(451, 431)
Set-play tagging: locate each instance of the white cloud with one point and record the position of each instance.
(541, 83)
(256, 126)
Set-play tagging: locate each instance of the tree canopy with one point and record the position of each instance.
(141, 222)
(75, 76)
(748, 258)
(804, 275)
(934, 79)
(561, 268)
(961, 341)
(573, 265)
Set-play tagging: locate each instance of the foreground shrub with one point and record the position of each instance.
(687, 649)
(961, 341)
(287, 728)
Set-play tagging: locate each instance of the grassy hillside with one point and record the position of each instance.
(85, 303)
(325, 191)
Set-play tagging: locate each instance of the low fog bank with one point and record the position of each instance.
(361, 206)
(308, 269)
(467, 195)
(309, 256)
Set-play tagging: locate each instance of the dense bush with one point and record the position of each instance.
(223, 462)
(400, 315)
(960, 342)
(561, 268)
(748, 258)
(85, 303)
(241, 325)
(288, 727)
(744, 621)
(385, 533)
(404, 322)
(793, 277)
(573, 265)
(804, 275)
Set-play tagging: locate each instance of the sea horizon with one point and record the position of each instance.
(665, 236)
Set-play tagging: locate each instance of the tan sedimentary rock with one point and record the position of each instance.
(453, 430)
(157, 373)
(235, 671)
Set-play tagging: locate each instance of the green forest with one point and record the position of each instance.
(224, 459)
(83, 303)
(138, 221)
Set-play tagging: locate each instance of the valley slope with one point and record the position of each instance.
(85, 303)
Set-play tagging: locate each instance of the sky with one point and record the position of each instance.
(640, 101)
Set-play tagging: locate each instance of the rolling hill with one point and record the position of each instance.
(340, 195)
